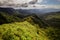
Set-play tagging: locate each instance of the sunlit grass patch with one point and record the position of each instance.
(24, 31)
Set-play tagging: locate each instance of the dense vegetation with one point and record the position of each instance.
(53, 19)
(7, 18)
(30, 27)
(21, 31)
(27, 31)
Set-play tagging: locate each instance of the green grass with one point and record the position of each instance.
(27, 31)
(21, 31)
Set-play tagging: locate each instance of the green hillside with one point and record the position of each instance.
(21, 31)
(27, 31)
(14, 27)
(57, 16)
(8, 18)
(53, 19)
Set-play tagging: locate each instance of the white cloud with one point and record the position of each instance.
(39, 1)
(53, 6)
(37, 6)
(8, 2)
(5, 3)
(15, 2)
(42, 7)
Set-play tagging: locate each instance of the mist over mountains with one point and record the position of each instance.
(28, 11)
(40, 11)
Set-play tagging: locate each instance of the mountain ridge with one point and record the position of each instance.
(17, 26)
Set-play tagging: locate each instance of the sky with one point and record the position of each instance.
(39, 4)
(51, 2)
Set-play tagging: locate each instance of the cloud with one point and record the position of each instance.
(39, 1)
(37, 6)
(16, 3)
(9, 3)
(13, 2)
(52, 6)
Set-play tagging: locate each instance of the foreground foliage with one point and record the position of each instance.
(27, 31)
(21, 31)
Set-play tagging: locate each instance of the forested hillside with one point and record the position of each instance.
(53, 19)
(16, 26)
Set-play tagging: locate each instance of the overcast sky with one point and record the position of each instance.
(45, 3)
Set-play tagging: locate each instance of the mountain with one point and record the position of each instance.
(7, 10)
(37, 11)
(27, 11)
(7, 18)
(52, 18)
(8, 15)
(31, 28)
